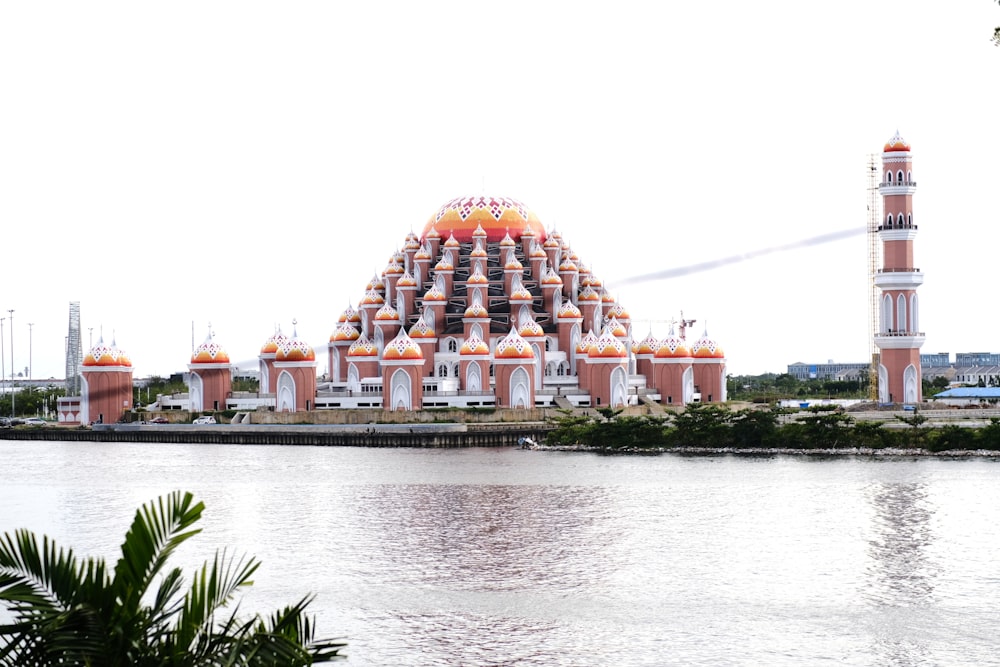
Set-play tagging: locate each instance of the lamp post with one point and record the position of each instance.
(3, 357)
(30, 342)
(11, 311)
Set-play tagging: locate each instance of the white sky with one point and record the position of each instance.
(248, 163)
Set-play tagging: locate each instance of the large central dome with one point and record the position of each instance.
(499, 216)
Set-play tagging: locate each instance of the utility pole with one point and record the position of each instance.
(30, 343)
(3, 357)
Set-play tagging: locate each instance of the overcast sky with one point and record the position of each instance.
(247, 164)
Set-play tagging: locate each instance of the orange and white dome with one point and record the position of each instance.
(647, 345)
(588, 294)
(476, 310)
(444, 264)
(452, 242)
(400, 348)
(420, 330)
(507, 241)
(362, 347)
(372, 298)
(512, 346)
(513, 264)
(474, 345)
(345, 332)
(586, 342)
(406, 280)
(607, 346)
(272, 344)
(209, 352)
(706, 348)
(672, 347)
(387, 314)
(107, 356)
(618, 312)
(568, 310)
(896, 144)
(295, 349)
(496, 216)
(551, 278)
(375, 283)
(521, 294)
(616, 328)
(477, 277)
(434, 294)
(530, 329)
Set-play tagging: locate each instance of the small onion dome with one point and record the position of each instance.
(672, 347)
(399, 257)
(433, 233)
(375, 283)
(706, 348)
(521, 294)
(568, 310)
(295, 349)
(575, 257)
(434, 294)
(537, 251)
(349, 315)
(607, 298)
(272, 344)
(422, 254)
(596, 282)
(896, 144)
(477, 277)
(372, 298)
(406, 280)
(567, 265)
(412, 244)
(478, 251)
(507, 241)
(444, 265)
(401, 347)
(474, 345)
(584, 344)
(556, 235)
(615, 328)
(392, 268)
(107, 355)
(479, 233)
(607, 346)
(647, 345)
(588, 294)
(512, 346)
(412, 236)
(345, 332)
(362, 347)
(551, 242)
(476, 310)
(551, 278)
(513, 264)
(618, 311)
(531, 329)
(421, 330)
(582, 268)
(209, 352)
(386, 314)
(527, 232)
(452, 242)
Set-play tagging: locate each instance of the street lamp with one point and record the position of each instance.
(11, 311)
(30, 340)
(3, 356)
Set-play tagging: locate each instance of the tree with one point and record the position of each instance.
(68, 612)
(996, 33)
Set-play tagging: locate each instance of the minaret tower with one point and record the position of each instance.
(899, 337)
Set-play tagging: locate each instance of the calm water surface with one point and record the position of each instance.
(507, 557)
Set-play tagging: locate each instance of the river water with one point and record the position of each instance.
(509, 557)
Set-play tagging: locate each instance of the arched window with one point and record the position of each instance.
(888, 221)
(914, 314)
(901, 312)
(452, 345)
(888, 177)
(899, 176)
(442, 370)
(887, 314)
(909, 176)
(899, 220)
(548, 369)
(476, 331)
(909, 219)
(548, 344)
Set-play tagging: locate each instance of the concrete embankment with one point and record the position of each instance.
(368, 435)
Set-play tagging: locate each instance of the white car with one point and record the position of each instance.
(207, 419)
(34, 421)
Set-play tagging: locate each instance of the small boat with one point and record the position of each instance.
(526, 443)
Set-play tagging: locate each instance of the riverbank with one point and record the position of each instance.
(873, 452)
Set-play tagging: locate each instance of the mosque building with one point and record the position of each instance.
(483, 308)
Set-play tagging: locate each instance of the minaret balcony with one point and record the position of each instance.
(899, 278)
(899, 340)
(897, 232)
(904, 188)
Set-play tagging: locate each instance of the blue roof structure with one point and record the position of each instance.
(970, 392)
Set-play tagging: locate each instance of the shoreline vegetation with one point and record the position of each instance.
(711, 429)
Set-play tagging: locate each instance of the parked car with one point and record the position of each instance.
(34, 421)
(207, 419)
(159, 420)
(5, 422)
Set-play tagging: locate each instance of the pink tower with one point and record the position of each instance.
(211, 379)
(899, 337)
(268, 351)
(402, 374)
(514, 371)
(106, 373)
(295, 366)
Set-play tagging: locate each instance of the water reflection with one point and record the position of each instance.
(900, 575)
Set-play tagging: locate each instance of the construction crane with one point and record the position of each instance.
(874, 219)
(681, 324)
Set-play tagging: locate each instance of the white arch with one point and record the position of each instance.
(476, 330)
(911, 384)
(619, 387)
(400, 392)
(196, 387)
(883, 384)
(538, 366)
(520, 392)
(523, 315)
(687, 385)
(401, 307)
(353, 378)
(379, 340)
(886, 313)
(574, 340)
(473, 378)
(429, 317)
(334, 366)
(914, 314)
(901, 313)
(285, 399)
